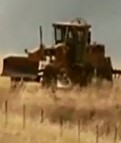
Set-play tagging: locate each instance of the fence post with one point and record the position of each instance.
(42, 116)
(24, 116)
(97, 134)
(108, 129)
(61, 126)
(115, 133)
(6, 113)
(79, 129)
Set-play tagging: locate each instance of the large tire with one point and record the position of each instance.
(105, 71)
(84, 74)
(50, 76)
(87, 74)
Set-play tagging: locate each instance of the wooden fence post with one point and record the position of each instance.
(97, 134)
(42, 116)
(6, 113)
(115, 133)
(24, 116)
(61, 126)
(108, 129)
(79, 130)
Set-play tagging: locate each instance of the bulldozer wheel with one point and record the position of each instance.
(81, 75)
(105, 72)
(49, 77)
(83, 79)
(86, 75)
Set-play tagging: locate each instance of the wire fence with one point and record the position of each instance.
(115, 134)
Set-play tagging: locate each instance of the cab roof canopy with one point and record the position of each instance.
(79, 23)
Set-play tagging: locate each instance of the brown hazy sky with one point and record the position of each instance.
(20, 20)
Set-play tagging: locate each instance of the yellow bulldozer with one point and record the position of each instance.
(73, 58)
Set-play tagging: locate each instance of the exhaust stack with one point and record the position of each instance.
(41, 36)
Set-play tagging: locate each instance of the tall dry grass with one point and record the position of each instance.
(91, 105)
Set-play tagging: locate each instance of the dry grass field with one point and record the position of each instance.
(91, 106)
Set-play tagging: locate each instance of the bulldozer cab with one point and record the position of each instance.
(76, 35)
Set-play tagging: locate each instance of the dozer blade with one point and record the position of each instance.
(20, 67)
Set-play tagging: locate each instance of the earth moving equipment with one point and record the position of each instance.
(18, 67)
(72, 58)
